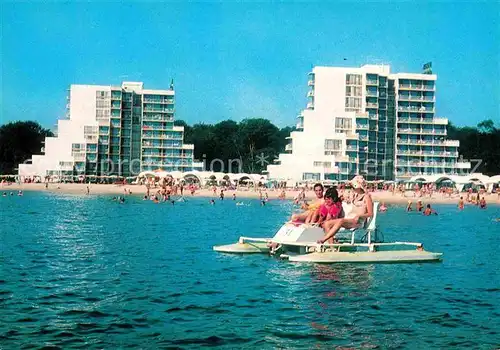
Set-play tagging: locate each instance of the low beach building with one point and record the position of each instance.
(115, 131)
(368, 121)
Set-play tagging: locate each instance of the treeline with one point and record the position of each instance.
(18, 142)
(254, 142)
(480, 145)
(251, 143)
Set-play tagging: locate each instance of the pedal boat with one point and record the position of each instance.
(298, 243)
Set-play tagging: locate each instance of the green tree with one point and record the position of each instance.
(228, 143)
(260, 138)
(18, 142)
(479, 144)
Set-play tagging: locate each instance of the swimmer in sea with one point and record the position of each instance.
(408, 207)
(420, 206)
(482, 203)
(382, 208)
(461, 203)
(429, 211)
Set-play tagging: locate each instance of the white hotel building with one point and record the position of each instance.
(368, 121)
(115, 130)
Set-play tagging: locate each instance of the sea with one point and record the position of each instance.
(84, 271)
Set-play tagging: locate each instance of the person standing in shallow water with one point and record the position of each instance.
(429, 211)
(482, 203)
(221, 195)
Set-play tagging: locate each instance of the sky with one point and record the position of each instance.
(243, 60)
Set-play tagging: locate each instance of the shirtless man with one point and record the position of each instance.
(311, 207)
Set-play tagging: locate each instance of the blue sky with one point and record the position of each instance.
(237, 60)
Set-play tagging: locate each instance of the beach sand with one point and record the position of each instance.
(111, 189)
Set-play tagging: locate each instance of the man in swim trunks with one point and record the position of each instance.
(311, 207)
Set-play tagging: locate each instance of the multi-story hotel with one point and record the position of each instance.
(115, 131)
(368, 121)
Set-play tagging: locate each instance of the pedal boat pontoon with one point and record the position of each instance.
(298, 243)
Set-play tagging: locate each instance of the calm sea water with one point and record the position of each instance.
(87, 272)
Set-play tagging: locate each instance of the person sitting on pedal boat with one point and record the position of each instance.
(362, 209)
(310, 208)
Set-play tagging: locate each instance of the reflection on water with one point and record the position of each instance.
(84, 271)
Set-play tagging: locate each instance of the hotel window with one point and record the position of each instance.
(353, 79)
(103, 103)
(352, 104)
(102, 114)
(353, 91)
(343, 125)
(311, 176)
(322, 164)
(102, 94)
(89, 130)
(333, 147)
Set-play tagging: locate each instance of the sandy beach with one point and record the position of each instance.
(112, 189)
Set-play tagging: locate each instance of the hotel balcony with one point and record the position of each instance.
(157, 118)
(352, 136)
(426, 153)
(426, 164)
(440, 121)
(452, 143)
(416, 98)
(428, 142)
(371, 105)
(421, 132)
(310, 82)
(159, 110)
(371, 82)
(362, 126)
(165, 101)
(300, 125)
(310, 105)
(163, 137)
(310, 93)
(416, 87)
(373, 116)
(415, 109)
(288, 147)
(351, 148)
(372, 93)
(433, 121)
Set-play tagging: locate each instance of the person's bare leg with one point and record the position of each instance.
(314, 217)
(333, 230)
(300, 217)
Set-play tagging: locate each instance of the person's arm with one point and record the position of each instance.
(369, 208)
(321, 218)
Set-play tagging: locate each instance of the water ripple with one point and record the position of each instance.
(85, 272)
